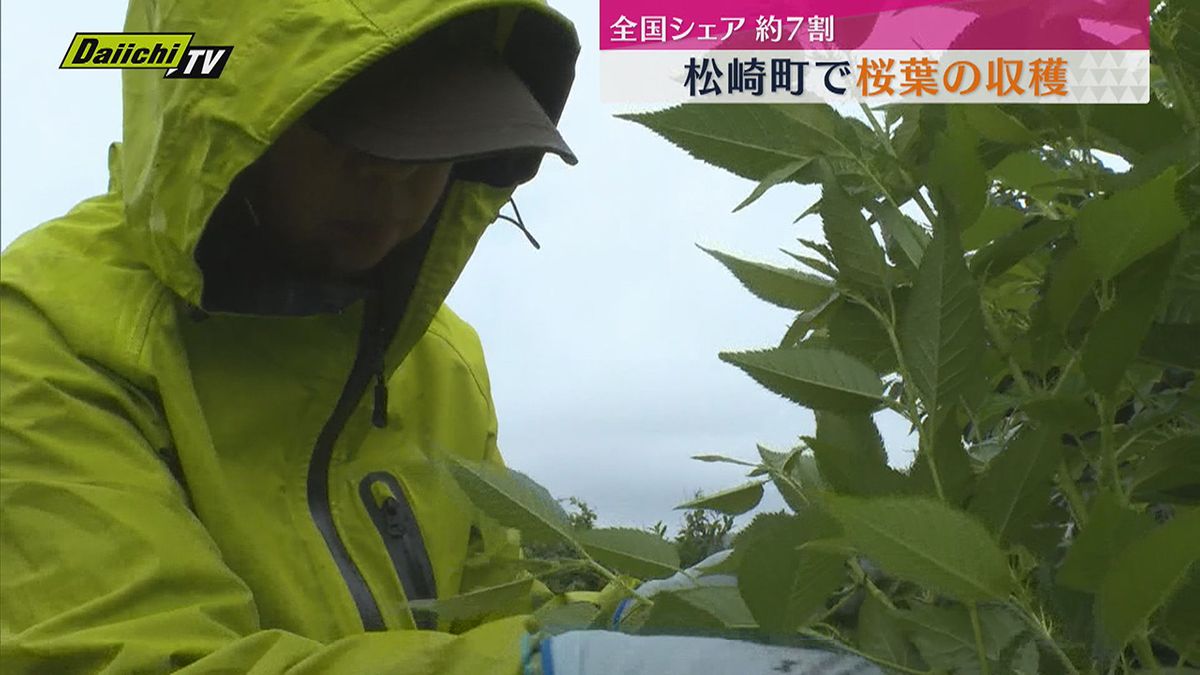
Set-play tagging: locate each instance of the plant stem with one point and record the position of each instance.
(1108, 451)
(614, 579)
(886, 139)
(914, 417)
(1045, 637)
(806, 632)
(1071, 491)
(983, 662)
(1141, 645)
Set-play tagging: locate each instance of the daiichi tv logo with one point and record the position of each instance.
(172, 52)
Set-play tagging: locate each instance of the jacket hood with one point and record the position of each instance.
(185, 141)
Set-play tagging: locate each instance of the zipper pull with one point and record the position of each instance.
(379, 414)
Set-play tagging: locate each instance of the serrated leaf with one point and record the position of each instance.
(634, 552)
(1110, 527)
(1070, 279)
(819, 266)
(1113, 342)
(1015, 487)
(855, 331)
(780, 175)
(994, 124)
(734, 501)
(514, 500)
(1145, 573)
(822, 379)
(1127, 226)
(956, 177)
(953, 464)
(560, 615)
(777, 285)
(850, 455)
(720, 459)
(1001, 255)
(1171, 466)
(748, 140)
(1181, 617)
(942, 330)
(1027, 172)
(994, 223)
(510, 598)
(716, 609)
(1070, 413)
(783, 585)
(880, 634)
(927, 542)
(859, 258)
(908, 235)
(781, 467)
(945, 639)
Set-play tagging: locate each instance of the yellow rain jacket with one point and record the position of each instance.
(208, 470)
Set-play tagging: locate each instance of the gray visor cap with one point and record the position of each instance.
(429, 104)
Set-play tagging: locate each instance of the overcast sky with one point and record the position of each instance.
(602, 346)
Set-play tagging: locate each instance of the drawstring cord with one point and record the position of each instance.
(520, 223)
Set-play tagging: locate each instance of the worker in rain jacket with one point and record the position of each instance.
(227, 383)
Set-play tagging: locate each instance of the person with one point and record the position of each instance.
(228, 382)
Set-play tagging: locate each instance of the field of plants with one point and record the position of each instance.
(1022, 285)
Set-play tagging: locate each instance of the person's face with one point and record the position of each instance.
(335, 211)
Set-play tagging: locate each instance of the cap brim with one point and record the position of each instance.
(459, 107)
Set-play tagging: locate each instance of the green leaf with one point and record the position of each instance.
(514, 500)
(1070, 280)
(1110, 527)
(780, 175)
(1113, 342)
(785, 474)
(822, 379)
(927, 542)
(904, 231)
(1145, 573)
(1181, 617)
(751, 141)
(1170, 467)
(1027, 172)
(850, 455)
(994, 124)
(1117, 231)
(819, 266)
(953, 464)
(634, 552)
(1171, 344)
(942, 330)
(706, 610)
(779, 286)
(859, 258)
(854, 330)
(1002, 254)
(881, 635)
(734, 501)
(560, 615)
(786, 586)
(956, 176)
(1070, 413)
(506, 599)
(945, 639)
(720, 459)
(993, 223)
(1015, 487)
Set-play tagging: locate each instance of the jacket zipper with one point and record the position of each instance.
(367, 362)
(396, 523)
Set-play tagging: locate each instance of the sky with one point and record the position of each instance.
(601, 347)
